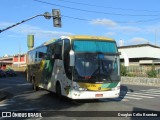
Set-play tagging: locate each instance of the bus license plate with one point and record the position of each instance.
(98, 95)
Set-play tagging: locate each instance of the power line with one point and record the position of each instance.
(100, 6)
(126, 22)
(90, 11)
(83, 19)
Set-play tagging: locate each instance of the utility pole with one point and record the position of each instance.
(20, 23)
(55, 14)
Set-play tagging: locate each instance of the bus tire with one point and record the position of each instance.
(58, 90)
(35, 87)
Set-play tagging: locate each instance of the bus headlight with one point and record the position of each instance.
(80, 89)
(116, 88)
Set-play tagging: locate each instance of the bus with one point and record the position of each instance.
(78, 67)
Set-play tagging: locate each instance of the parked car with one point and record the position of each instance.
(11, 73)
(2, 73)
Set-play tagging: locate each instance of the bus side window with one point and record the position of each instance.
(50, 52)
(66, 58)
(41, 55)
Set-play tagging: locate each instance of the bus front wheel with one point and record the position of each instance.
(58, 89)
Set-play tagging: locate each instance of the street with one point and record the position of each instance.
(21, 97)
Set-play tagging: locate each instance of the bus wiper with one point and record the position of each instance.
(108, 72)
(97, 70)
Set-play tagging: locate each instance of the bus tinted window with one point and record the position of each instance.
(94, 46)
(58, 50)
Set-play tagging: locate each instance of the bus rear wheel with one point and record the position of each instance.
(35, 87)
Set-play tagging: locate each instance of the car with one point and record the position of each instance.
(11, 73)
(2, 73)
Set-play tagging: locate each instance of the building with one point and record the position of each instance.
(5, 62)
(16, 62)
(19, 60)
(141, 58)
(142, 54)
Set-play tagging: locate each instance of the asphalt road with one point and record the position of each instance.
(133, 99)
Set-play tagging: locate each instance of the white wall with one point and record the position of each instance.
(141, 52)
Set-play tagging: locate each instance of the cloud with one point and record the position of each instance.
(104, 22)
(110, 34)
(137, 40)
(127, 29)
(114, 26)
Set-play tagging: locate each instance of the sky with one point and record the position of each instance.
(129, 22)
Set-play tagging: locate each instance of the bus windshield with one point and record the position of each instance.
(93, 63)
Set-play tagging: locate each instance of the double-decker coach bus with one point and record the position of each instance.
(78, 67)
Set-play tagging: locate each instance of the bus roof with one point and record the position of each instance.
(75, 37)
(85, 37)
(50, 41)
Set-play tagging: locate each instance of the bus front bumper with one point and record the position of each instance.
(93, 94)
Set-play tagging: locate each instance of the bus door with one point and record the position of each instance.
(54, 53)
(48, 64)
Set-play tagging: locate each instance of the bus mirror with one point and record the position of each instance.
(72, 58)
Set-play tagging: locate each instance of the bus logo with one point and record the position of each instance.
(99, 88)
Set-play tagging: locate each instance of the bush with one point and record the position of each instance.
(123, 70)
(152, 73)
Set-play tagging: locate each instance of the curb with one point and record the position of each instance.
(3, 96)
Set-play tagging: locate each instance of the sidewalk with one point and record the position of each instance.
(3, 95)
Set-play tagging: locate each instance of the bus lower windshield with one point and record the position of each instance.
(96, 68)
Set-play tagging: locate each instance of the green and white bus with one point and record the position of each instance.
(78, 67)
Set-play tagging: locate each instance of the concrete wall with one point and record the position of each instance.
(141, 81)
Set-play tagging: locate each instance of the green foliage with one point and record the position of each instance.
(152, 73)
(123, 70)
(131, 75)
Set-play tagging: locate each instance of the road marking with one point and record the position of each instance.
(1, 105)
(146, 94)
(155, 92)
(141, 96)
(129, 97)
